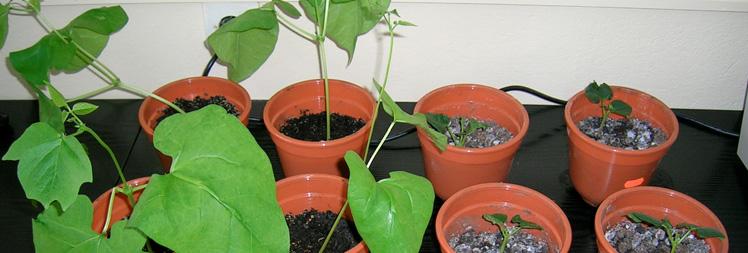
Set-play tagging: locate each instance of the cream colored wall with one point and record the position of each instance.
(687, 58)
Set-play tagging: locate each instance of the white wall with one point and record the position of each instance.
(687, 53)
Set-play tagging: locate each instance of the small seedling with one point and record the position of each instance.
(499, 219)
(599, 94)
(468, 126)
(673, 235)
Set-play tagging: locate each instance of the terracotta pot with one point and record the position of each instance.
(467, 207)
(189, 88)
(326, 157)
(456, 167)
(598, 170)
(318, 191)
(658, 203)
(120, 209)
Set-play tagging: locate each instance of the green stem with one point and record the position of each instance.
(323, 66)
(109, 210)
(384, 85)
(143, 93)
(298, 30)
(334, 225)
(108, 150)
(91, 93)
(506, 234)
(381, 143)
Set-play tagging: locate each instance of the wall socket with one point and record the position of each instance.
(214, 12)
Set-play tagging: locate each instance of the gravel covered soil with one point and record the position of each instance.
(492, 135)
(629, 134)
(471, 241)
(311, 126)
(629, 237)
(309, 229)
(197, 103)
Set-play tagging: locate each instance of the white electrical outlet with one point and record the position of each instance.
(214, 12)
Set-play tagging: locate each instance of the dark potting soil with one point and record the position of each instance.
(197, 103)
(629, 134)
(311, 126)
(492, 135)
(157, 248)
(629, 237)
(309, 229)
(471, 241)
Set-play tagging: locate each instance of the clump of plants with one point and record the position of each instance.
(52, 162)
(627, 132)
(510, 233)
(468, 132)
(659, 235)
(255, 32)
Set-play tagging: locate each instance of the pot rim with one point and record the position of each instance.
(599, 233)
(440, 217)
(516, 140)
(313, 144)
(664, 146)
(141, 110)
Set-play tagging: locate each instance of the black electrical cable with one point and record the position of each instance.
(534, 92)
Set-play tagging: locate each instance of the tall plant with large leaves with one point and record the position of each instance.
(245, 42)
(53, 163)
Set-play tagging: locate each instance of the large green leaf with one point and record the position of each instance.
(91, 30)
(49, 113)
(33, 63)
(391, 215)
(4, 10)
(245, 42)
(70, 231)
(104, 20)
(417, 120)
(52, 166)
(221, 189)
(347, 19)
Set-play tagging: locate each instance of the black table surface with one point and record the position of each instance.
(700, 164)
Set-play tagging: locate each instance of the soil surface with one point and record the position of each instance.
(629, 237)
(471, 241)
(196, 104)
(309, 229)
(311, 126)
(629, 134)
(494, 134)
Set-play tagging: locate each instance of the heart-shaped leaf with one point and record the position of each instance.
(621, 108)
(245, 42)
(70, 231)
(104, 20)
(49, 113)
(51, 166)
(592, 92)
(91, 30)
(83, 108)
(516, 219)
(498, 219)
(391, 215)
(438, 121)
(417, 120)
(220, 189)
(33, 63)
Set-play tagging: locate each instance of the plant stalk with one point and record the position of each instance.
(143, 93)
(379, 146)
(91, 93)
(294, 28)
(109, 210)
(391, 29)
(334, 225)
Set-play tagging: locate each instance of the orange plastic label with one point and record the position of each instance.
(633, 183)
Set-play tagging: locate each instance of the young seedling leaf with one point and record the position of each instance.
(496, 219)
(391, 215)
(245, 42)
(57, 98)
(621, 108)
(605, 92)
(474, 125)
(83, 108)
(405, 23)
(70, 231)
(394, 12)
(438, 138)
(516, 219)
(4, 10)
(438, 121)
(51, 166)
(592, 92)
(49, 113)
(638, 217)
(704, 233)
(686, 226)
(237, 193)
(33, 63)
(287, 8)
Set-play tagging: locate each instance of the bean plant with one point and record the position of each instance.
(466, 126)
(507, 231)
(602, 95)
(678, 233)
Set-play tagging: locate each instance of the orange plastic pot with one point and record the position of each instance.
(468, 206)
(121, 209)
(189, 88)
(326, 157)
(658, 203)
(598, 170)
(315, 191)
(456, 167)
